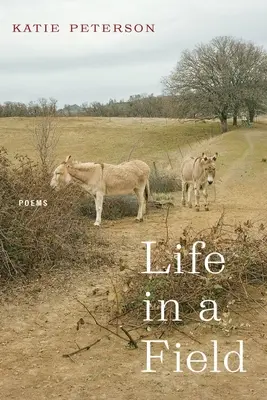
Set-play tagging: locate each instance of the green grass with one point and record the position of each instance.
(108, 140)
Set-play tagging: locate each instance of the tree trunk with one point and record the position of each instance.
(224, 126)
(235, 120)
(251, 114)
(235, 116)
(223, 119)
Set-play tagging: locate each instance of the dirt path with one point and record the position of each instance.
(38, 323)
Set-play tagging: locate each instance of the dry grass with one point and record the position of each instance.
(101, 139)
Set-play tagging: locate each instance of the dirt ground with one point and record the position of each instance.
(38, 323)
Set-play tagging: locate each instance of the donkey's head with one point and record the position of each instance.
(61, 176)
(208, 164)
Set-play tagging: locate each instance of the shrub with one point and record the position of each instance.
(245, 255)
(163, 181)
(34, 237)
(114, 207)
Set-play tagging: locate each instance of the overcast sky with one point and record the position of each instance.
(84, 67)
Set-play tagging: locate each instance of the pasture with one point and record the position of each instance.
(39, 320)
(108, 140)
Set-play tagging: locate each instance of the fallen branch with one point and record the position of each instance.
(132, 341)
(160, 203)
(82, 349)
(98, 324)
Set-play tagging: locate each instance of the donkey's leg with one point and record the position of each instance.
(205, 195)
(183, 192)
(197, 196)
(141, 199)
(189, 195)
(98, 206)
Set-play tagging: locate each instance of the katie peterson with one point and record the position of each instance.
(94, 28)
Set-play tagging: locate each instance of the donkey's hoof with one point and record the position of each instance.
(183, 203)
(207, 208)
(96, 223)
(139, 219)
(189, 205)
(197, 208)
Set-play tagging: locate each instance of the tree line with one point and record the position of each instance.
(225, 78)
(141, 105)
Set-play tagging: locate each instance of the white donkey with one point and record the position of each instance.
(197, 173)
(106, 179)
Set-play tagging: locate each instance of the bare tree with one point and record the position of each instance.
(46, 134)
(249, 78)
(222, 75)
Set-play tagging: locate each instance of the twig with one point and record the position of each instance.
(180, 151)
(255, 301)
(81, 349)
(189, 145)
(117, 303)
(155, 168)
(169, 160)
(77, 345)
(166, 223)
(132, 341)
(160, 336)
(133, 148)
(98, 324)
(127, 312)
(186, 334)
(72, 359)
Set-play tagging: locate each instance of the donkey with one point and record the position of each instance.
(106, 179)
(197, 173)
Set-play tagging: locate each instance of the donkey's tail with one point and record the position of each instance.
(147, 191)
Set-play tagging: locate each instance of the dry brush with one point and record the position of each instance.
(36, 237)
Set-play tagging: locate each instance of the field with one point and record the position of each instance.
(39, 320)
(108, 140)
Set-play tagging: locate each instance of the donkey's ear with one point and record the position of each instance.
(68, 158)
(215, 156)
(204, 157)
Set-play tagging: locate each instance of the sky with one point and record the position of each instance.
(91, 66)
